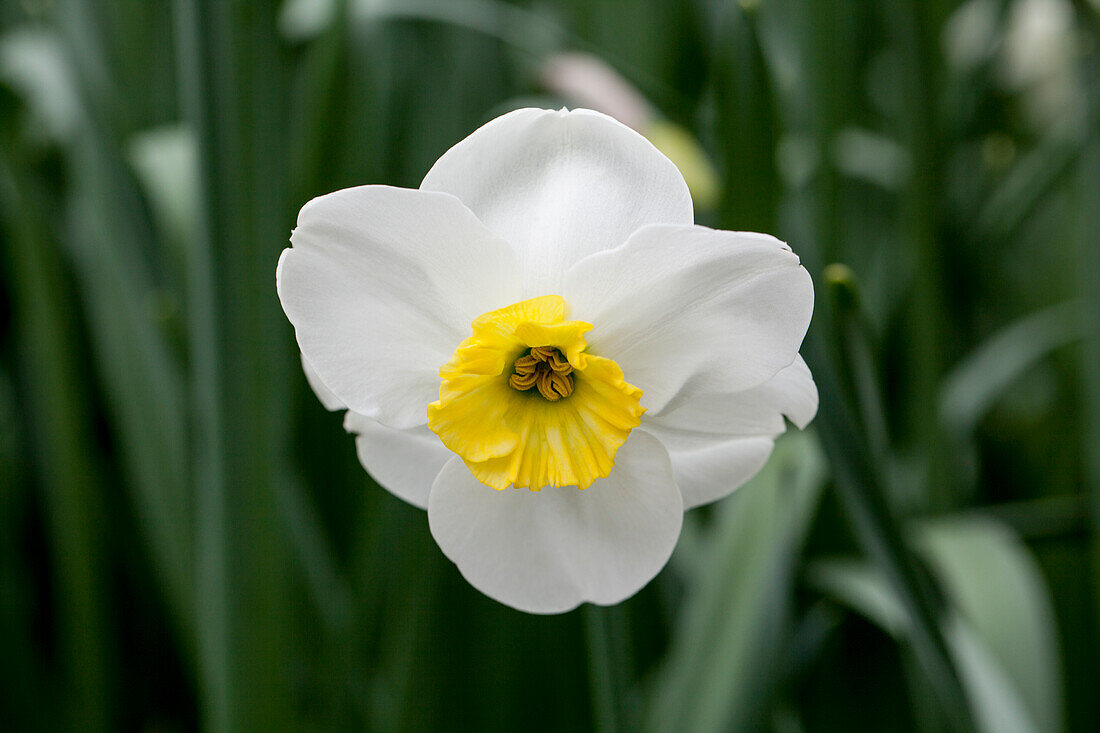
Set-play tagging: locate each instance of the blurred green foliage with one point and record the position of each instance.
(187, 540)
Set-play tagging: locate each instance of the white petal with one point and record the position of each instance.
(548, 551)
(330, 401)
(718, 442)
(381, 286)
(693, 308)
(756, 411)
(711, 468)
(560, 185)
(404, 462)
(797, 392)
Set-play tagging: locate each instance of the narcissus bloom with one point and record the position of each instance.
(541, 348)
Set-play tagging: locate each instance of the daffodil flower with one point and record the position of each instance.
(541, 348)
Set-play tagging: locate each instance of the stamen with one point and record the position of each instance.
(525, 364)
(546, 368)
(523, 381)
(559, 363)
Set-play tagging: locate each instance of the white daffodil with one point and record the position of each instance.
(541, 348)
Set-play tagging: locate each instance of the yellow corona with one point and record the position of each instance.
(524, 404)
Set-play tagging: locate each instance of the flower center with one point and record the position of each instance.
(487, 416)
(543, 367)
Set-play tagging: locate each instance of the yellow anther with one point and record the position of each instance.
(523, 381)
(553, 386)
(525, 364)
(559, 364)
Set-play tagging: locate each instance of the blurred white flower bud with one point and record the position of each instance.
(970, 34)
(1038, 60)
(589, 81)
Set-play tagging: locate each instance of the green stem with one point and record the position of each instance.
(859, 489)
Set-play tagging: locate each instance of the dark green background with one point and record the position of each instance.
(187, 539)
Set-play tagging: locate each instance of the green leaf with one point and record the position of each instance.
(976, 382)
(60, 423)
(744, 108)
(998, 706)
(106, 235)
(735, 618)
(996, 585)
(1088, 254)
(860, 490)
(1000, 629)
(1029, 182)
(233, 69)
(858, 585)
